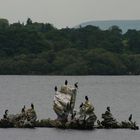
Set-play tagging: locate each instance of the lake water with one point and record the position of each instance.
(121, 93)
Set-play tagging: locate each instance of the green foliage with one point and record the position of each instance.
(29, 21)
(40, 48)
(4, 24)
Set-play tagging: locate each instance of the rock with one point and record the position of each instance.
(108, 120)
(131, 125)
(5, 123)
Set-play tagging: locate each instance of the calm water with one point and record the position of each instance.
(121, 93)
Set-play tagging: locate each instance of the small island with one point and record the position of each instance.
(67, 117)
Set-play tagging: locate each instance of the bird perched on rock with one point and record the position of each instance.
(66, 82)
(55, 88)
(5, 116)
(130, 117)
(76, 85)
(23, 109)
(32, 106)
(86, 98)
(6, 111)
(108, 109)
(81, 105)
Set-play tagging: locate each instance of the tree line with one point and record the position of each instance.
(34, 48)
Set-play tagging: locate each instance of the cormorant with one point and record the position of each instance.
(81, 105)
(66, 82)
(55, 88)
(130, 117)
(76, 85)
(23, 109)
(32, 106)
(86, 98)
(6, 112)
(5, 115)
(108, 109)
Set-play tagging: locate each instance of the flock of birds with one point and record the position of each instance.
(86, 97)
(66, 83)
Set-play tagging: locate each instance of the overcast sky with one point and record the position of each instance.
(62, 13)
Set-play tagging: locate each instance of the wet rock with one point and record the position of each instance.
(108, 120)
(129, 124)
(5, 123)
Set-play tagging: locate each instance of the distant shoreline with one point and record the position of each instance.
(41, 49)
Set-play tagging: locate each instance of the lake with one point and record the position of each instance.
(121, 93)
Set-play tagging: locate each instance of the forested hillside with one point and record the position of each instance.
(41, 49)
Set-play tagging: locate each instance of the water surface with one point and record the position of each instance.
(121, 93)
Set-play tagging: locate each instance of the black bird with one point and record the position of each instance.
(23, 109)
(130, 117)
(6, 112)
(76, 85)
(108, 109)
(66, 82)
(81, 105)
(32, 105)
(55, 88)
(4, 116)
(86, 98)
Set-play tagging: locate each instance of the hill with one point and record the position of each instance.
(123, 24)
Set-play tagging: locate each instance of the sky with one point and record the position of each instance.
(68, 13)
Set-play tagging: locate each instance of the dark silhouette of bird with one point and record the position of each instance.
(81, 105)
(23, 109)
(32, 105)
(66, 82)
(108, 109)
(76, 85)
(130, 117)
(6, 112)
(4, 116)
(86, 98)
(55, 88)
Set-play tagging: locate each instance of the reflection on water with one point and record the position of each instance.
(121, 93)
